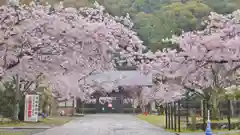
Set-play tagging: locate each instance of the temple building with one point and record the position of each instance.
(120, 98)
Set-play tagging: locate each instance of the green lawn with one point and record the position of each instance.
(11, 133)
(56, 120)
(225, 120)
(153, 119)
(160, 121)
(47, 121)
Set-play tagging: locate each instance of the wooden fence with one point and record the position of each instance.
(193, 116)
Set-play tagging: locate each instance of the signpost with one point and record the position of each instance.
(31, 108)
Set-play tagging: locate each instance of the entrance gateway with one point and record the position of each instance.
(112, 106)
(115, 102)
(120, 99)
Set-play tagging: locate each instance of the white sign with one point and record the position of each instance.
(31, 108)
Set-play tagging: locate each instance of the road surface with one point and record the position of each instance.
(106, 124)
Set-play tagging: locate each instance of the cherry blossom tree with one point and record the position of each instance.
(64, 44)
(211, 56)
(62, 41)
(206, 61)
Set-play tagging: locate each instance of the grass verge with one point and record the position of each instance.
(11, 133)
(153, 119)
(55, 121)
(50, 121)
(160, 122)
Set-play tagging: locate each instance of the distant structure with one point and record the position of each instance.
(125, 76)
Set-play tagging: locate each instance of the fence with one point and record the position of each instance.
(181, 115)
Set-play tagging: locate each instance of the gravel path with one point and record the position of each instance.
(106, 124)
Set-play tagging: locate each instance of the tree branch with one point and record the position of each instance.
(29, 84)
(194, 91)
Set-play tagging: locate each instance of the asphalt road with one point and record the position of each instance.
(103, 124)
(106, 124)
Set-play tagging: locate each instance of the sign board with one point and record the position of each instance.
(31, 108)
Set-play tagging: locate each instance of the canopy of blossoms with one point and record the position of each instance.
(66, 44)
(205, 60)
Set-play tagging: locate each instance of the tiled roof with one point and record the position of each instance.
(128, 78)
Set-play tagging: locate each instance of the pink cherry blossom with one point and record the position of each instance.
(65, 44)
(206, 60)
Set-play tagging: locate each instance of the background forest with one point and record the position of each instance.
(156, 20)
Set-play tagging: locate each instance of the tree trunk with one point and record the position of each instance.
(133, 106)
(98, 109)
(232, 108)
(215, 115)
(16, 111)
(202, 105)
(73, 106)
(149, 108)
(46, 108)
(82, 107)
(160, 109)
(50, 110)
(142, 107)
(17, 99)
